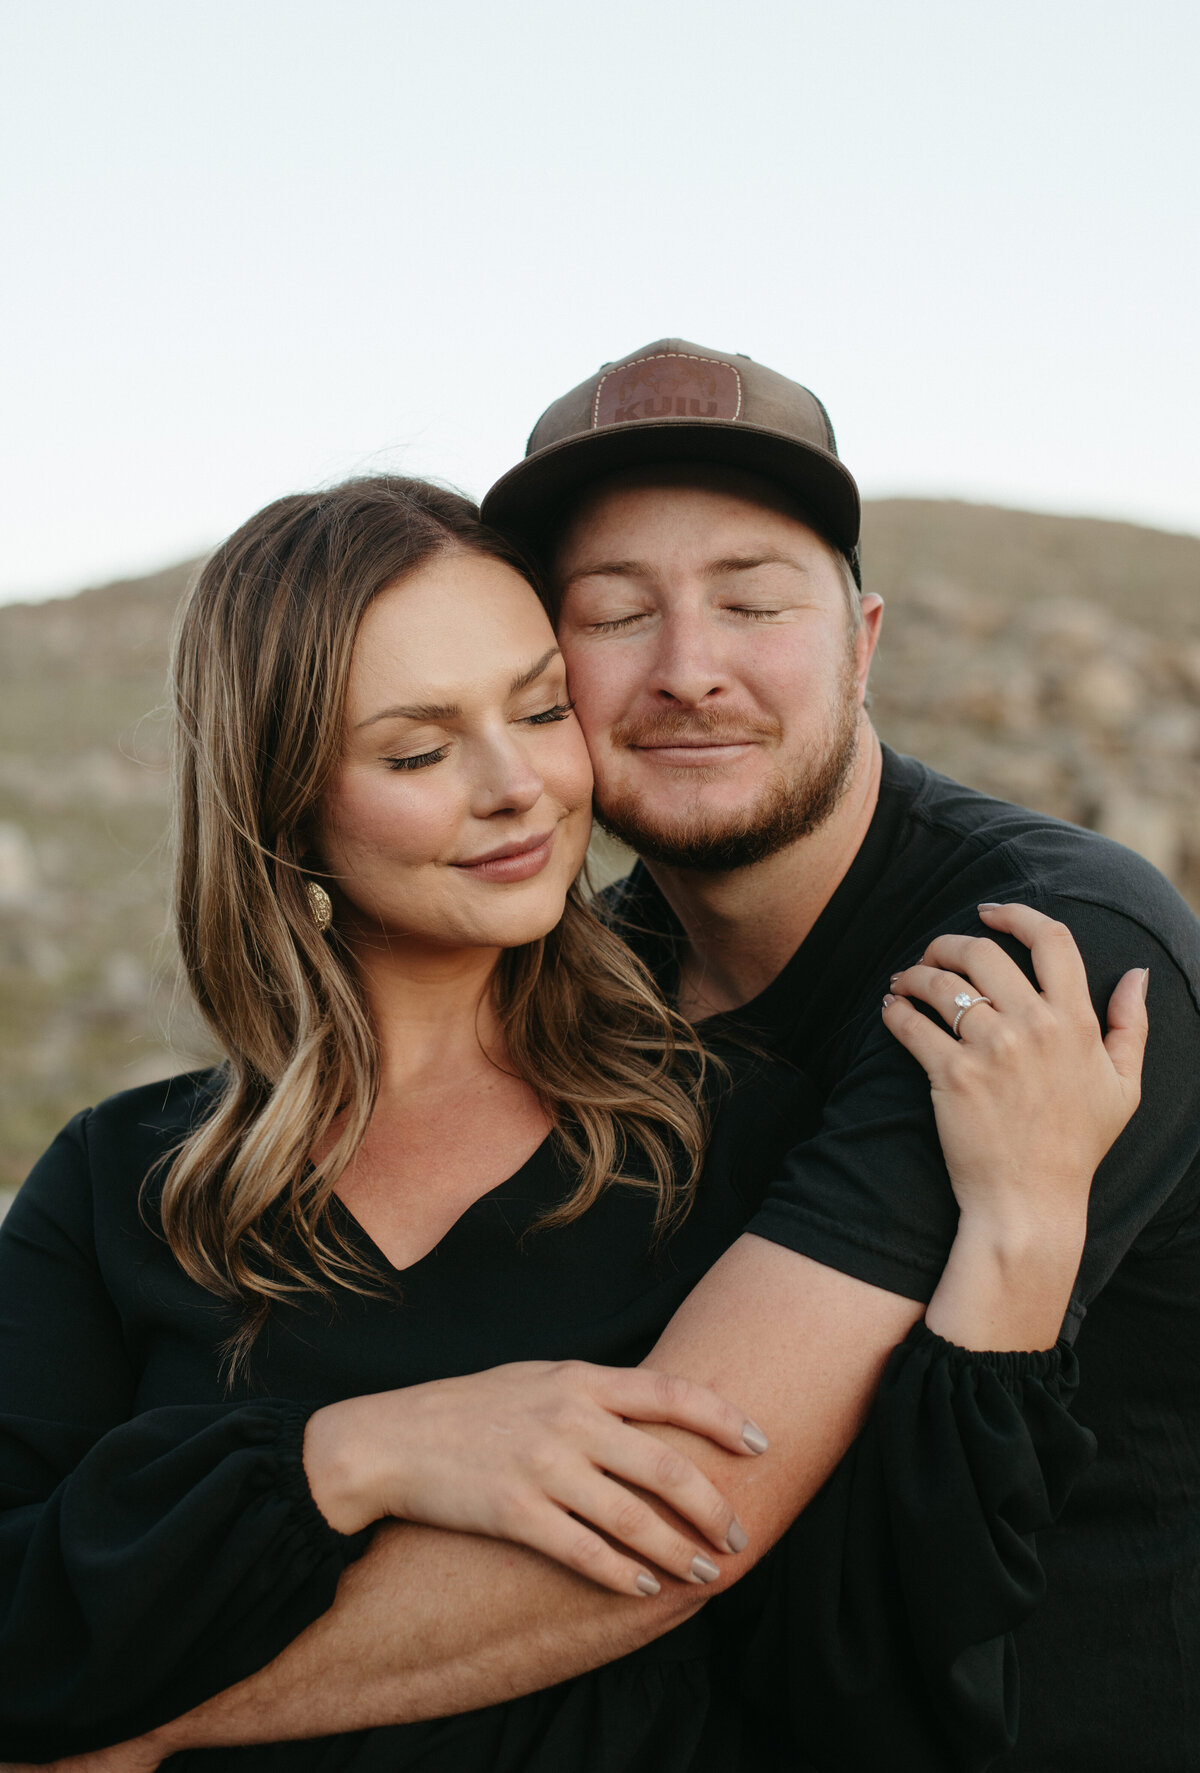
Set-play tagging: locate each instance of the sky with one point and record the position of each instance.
(258, 245)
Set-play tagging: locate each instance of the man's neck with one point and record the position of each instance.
(743, 926)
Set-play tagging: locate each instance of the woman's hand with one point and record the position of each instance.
(1029, 1097)
(541, 1453)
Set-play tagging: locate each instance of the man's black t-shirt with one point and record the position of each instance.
(1111, 1663)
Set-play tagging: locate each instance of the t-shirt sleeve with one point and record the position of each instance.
(869, 1195)
(146, 1560)
(886, 1635)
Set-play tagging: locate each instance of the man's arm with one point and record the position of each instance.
(431, 1623)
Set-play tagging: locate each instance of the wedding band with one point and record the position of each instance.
(965, 1002)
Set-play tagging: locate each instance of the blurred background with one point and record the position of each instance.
(253, 247)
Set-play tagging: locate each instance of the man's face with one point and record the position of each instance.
(713, 662)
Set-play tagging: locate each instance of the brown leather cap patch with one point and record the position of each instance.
(668, 385)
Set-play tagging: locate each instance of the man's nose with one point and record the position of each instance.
(688, 663)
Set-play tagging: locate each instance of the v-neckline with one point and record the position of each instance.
(363, 1236)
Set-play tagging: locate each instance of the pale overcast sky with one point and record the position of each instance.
(252, 246)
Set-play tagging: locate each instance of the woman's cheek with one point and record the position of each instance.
(577, 766)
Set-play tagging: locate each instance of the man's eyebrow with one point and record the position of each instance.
(641, 569)
(618, 569)
(453, 710)
(742, 563)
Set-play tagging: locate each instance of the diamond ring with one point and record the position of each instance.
(965, 1002)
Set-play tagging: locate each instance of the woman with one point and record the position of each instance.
(458, 1148)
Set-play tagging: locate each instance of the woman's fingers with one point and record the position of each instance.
(1128, 1027)
(983, 964)
(566, 1518)
(1057, 962)
(558, 1534)
(954, 967)
(666, 1472)
(644, 1395)
(942, 991)
(929, 1045)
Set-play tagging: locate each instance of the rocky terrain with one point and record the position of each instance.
(1052, 660)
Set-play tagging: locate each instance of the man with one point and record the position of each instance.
(789, 859)
(702, 533)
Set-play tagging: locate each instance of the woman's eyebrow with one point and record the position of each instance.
(453, 710)
(524, 678)
(415, 711)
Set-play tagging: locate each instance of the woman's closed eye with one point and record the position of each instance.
(547, 716)
(420, 761)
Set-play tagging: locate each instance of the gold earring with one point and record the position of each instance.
(320, 905)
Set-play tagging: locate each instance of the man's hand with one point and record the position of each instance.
(126, 1757)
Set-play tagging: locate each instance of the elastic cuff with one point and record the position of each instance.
(289, 1447)
(1009, 1365)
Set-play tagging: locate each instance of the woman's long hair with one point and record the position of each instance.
(260, 664)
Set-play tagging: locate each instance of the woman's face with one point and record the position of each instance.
(460, 810)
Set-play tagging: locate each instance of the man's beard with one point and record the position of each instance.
(791, 806)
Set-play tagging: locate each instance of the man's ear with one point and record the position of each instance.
(866, 638)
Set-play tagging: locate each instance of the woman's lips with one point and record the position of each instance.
(513, 861)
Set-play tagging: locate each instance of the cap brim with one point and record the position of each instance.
(528, 501)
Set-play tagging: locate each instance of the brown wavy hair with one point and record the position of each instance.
(260, 663)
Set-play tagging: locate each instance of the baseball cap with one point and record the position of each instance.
(674, 401)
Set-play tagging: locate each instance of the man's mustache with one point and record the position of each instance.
(692, 725)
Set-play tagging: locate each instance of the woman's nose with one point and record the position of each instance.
(508, 781)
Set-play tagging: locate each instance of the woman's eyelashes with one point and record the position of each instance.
(423, 759)
(419, 762)
(559, 711)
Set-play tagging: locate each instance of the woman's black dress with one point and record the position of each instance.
(158, 1541)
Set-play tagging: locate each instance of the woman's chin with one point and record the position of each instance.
(513, 920)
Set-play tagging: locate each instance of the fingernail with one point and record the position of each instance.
(754, 1438)
(1145, 983)
(703, 1569)
(737, 1538)
(893, 978)
(647, 1585)
(889, 999)
(988, 905)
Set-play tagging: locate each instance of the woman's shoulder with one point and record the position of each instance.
(92, 1174)
(130, 1131)
(167, 1108)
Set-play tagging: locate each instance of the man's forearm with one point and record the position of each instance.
(432, 1623)
(425, 1625)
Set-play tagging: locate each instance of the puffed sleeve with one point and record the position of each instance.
(146, 1560)
(886, 1634)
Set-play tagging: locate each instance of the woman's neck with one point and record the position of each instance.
(432, 1010)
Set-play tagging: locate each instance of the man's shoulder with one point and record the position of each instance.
(1057, 863)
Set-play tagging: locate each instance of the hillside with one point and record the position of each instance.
(1052, 660)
